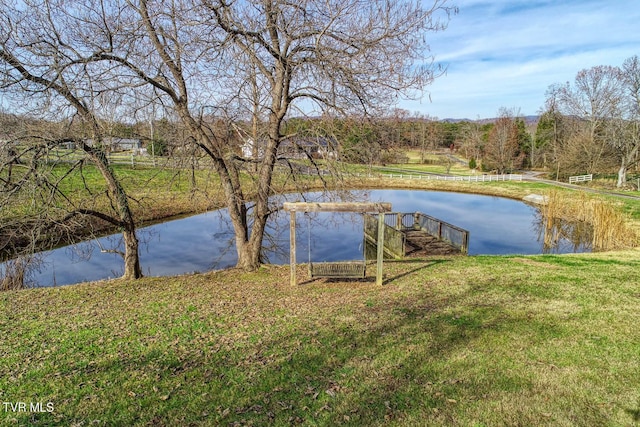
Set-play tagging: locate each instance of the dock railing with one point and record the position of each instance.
(456, 236)
(397, 222)
(394, 240)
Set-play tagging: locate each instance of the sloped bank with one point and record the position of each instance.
(467, 341)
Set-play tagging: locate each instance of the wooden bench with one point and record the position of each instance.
(338, 270)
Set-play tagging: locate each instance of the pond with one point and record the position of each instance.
(205, 242)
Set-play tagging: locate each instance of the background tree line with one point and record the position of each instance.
(592, 124)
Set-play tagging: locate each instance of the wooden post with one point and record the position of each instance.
(465, 242)
(292, 248)
(380, 248)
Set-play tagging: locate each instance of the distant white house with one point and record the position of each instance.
(119, 144)
(249, 146)
(295, 148)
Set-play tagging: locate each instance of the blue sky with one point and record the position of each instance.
(507, 53)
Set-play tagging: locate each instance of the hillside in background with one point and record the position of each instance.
(527, 119)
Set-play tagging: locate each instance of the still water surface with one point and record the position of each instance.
(205, 242)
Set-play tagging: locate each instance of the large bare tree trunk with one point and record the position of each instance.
(132, 269)
(123, 215)
(622, 176)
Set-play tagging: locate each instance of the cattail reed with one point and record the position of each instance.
(610, 226)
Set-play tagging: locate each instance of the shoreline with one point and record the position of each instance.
(176, 207)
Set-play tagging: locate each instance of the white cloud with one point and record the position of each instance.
(506, 53)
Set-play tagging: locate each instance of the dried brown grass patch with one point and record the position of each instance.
(612, 229)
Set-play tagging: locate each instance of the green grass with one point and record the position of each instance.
(155, 193)
(455, 169)
(477, 341)
(469, 341)
(152, 190)
(415, 163)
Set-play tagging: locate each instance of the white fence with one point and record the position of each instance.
(580, 178)
(132, 160)
(470, 178)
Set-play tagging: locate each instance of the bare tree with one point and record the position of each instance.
(22, 173)
(603, 104)
(340, 56)
(193, 56)
(473, 141)
(548, 131)
(312, 55)
(44, 67)
(625, 132)
(561, 136)
(426, 135)
(502, 151)
(594, 99)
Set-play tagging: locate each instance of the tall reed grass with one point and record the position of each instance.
(611, 228)
(13, 274)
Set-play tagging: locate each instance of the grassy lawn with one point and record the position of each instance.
(152, 190)
(455, 169)
(469, 341)
(436, 163)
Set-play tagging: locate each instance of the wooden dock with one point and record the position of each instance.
(417, 235)
(420, 244)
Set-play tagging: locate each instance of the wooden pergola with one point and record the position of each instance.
(294, 207)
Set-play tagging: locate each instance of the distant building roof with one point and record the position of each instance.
(118, 143)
